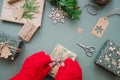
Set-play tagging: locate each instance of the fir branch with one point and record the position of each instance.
(69, 6)
(30, 7)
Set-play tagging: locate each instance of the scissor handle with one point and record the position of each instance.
(89, 54)
(91, 49)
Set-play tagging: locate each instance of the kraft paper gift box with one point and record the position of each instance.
(10, 46)
(109, 57)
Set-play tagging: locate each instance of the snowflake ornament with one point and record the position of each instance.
(57, 15)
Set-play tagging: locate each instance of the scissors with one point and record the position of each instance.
(92, 8)
(88, 50)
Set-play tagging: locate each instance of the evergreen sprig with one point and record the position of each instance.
(69, 6)
(30, 7)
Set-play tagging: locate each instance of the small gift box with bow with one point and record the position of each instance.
(10, 46)
(109, 57)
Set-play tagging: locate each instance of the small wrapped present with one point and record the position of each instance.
(109, 57)
(59, 54)
(10, 46)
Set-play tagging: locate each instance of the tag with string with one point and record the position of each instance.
(103, 23)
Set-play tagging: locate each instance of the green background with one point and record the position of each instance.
(65, 34)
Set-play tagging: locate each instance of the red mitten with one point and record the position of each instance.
(35, 67)
(71, 71)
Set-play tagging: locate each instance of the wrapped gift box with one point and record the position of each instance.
(59, 54)
(10, 47)
(109, 57)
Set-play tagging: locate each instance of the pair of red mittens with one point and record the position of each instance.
(36, 67)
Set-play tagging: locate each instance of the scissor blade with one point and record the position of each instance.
(81, 45)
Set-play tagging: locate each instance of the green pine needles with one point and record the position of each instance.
(69, 6)
(30, 7)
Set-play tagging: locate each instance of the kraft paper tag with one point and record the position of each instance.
(100, 27)
(5, 51)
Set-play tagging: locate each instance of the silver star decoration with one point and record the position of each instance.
(79, 30)
(57, 15)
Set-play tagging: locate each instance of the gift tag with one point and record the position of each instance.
(5, 51)
(100, 27)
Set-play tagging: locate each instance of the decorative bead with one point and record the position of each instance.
(75, 7)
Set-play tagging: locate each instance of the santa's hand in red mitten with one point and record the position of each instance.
(71, 71)
(35, 67)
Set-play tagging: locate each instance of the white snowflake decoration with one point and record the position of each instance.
(57, 15)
